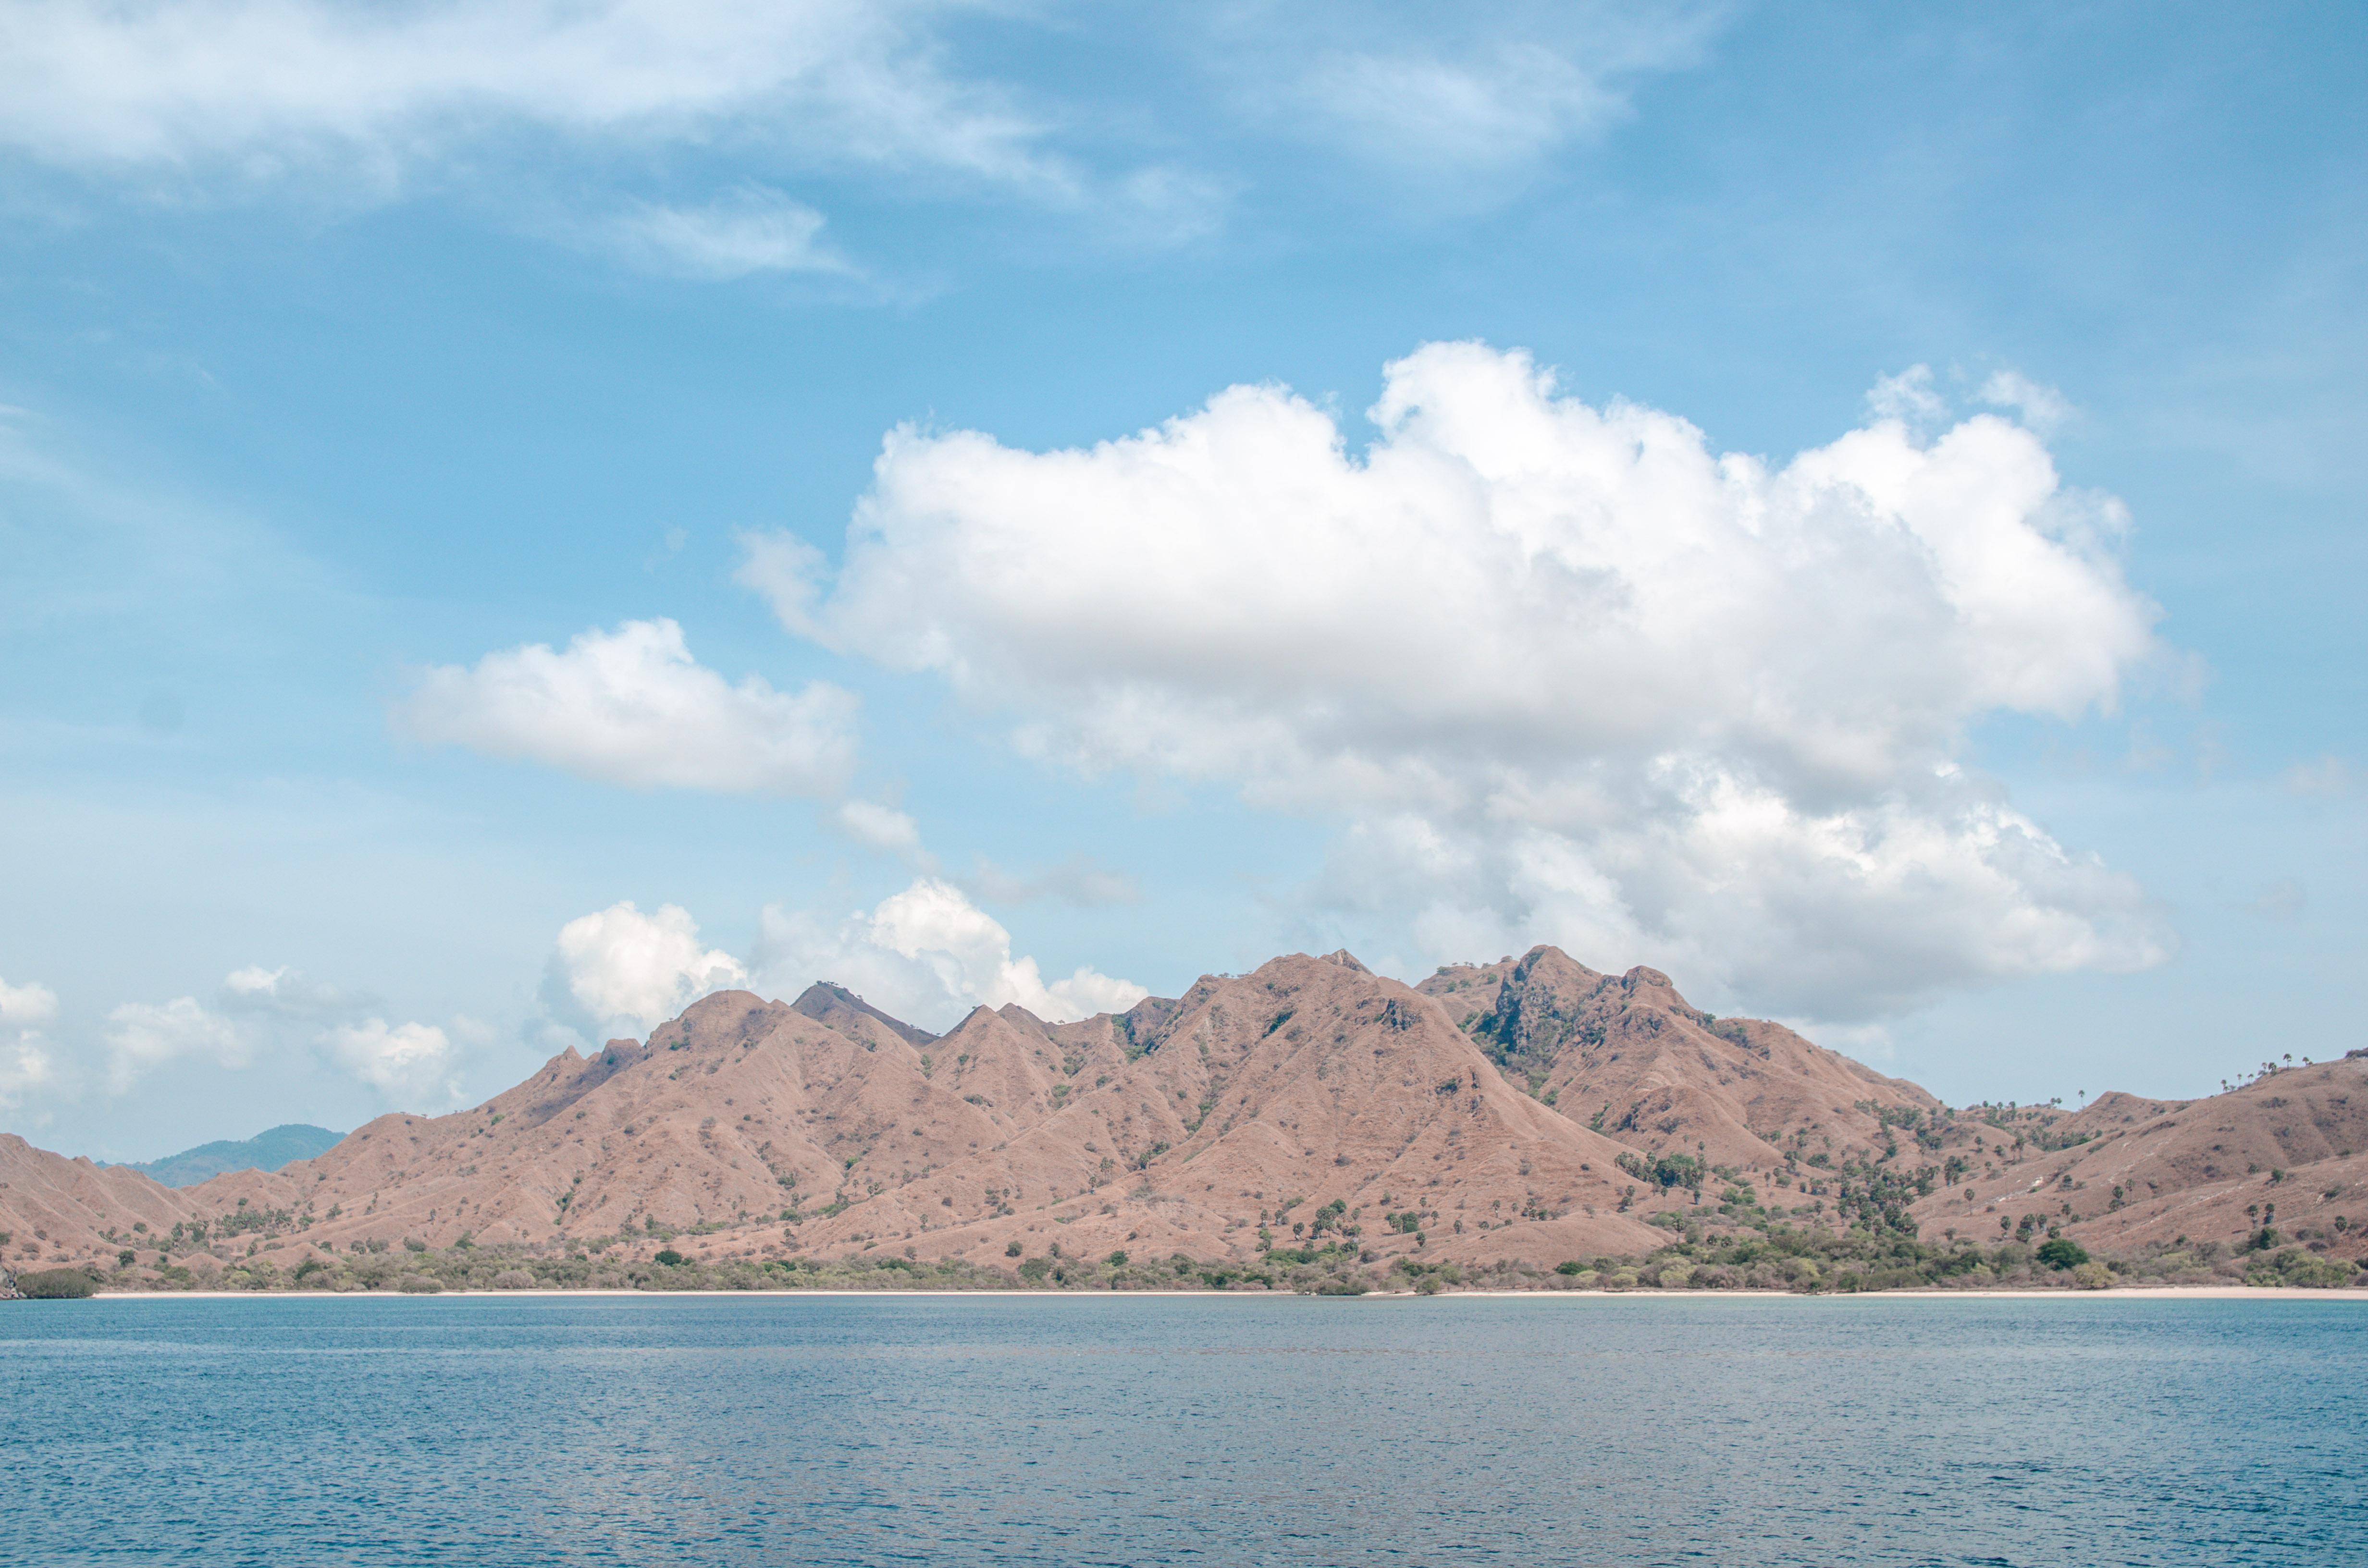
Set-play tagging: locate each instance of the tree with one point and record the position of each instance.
(2062, 1252)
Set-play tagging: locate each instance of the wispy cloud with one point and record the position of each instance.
(750, 230)
(260, 89)
(1481, 93)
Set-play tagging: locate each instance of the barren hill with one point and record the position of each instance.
(1633, 1060)
(1531, 1109)
(2288, 1150)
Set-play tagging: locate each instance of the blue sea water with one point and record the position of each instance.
(964, 1430)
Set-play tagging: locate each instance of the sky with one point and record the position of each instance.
(516, 515)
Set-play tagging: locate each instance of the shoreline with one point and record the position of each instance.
(2136, 1292)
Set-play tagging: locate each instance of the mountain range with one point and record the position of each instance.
(1529, 1109)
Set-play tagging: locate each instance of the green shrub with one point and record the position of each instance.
(57, 1285)
(670, 1257)
(2062, 1252)
(1571, 1266)
(1011, 1249)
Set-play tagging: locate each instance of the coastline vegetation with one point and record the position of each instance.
(1771, 1257)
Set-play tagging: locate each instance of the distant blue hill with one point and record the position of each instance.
(263, 1152)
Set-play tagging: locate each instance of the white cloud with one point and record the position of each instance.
(620, 968)
(26, 1067)
(1457, 93)
(254, 981)
(147, 1036)
(632, 706)
(399, 1058)
(263, 87)
(25, 1064)
(1572, 673)
(926, 955)
(2042, 408)
(1909, 398)
(749, 232)
(282, 993)
(26, 1006)
(1510, 106)
(884, 828)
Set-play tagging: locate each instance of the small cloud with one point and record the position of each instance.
(396, 1058)
(1468, 97)
(787, 572)
(254, 981)
(882, 828)
(751, 231)
(1908, 397)
(1165, 206)
(147, 1036)
(26, 1004)
(632, 706)
(2327, 778)
(2042, 409)
(282, 993)
(25, 1064)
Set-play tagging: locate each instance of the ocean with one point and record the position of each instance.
(1058, 1429)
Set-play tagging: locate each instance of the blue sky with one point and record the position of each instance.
(1875, 530)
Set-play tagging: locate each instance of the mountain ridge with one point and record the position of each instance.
(1534, 1109)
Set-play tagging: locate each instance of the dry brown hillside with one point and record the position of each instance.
(2288, 1150)
(1633, 1060)
(56, 1211)
(1531, 1109)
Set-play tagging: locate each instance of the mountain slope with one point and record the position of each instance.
(2289, 1149)
(54, 1210)
(1632, 1059)
(1529, 1109)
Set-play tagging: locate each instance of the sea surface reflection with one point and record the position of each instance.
(1130, 1430)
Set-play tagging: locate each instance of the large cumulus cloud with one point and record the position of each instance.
(1568, 673)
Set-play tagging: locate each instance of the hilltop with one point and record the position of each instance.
(267, 1151)
(1311, 1115)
